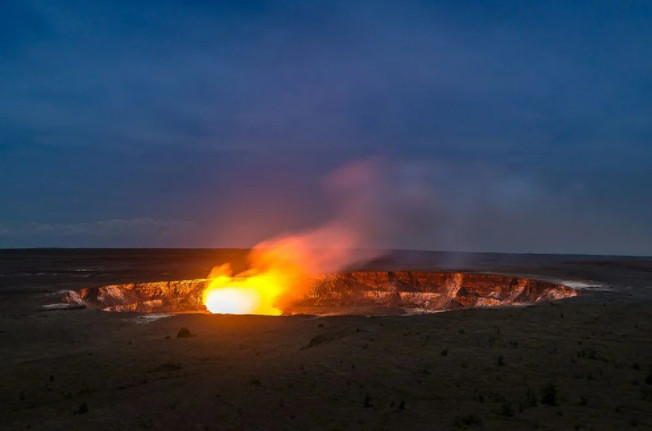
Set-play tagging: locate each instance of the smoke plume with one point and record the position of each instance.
(372, 203)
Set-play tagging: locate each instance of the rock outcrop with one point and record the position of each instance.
(152, 297)
(430, 290)
(425, 291)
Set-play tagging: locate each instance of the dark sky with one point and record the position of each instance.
(189, 123)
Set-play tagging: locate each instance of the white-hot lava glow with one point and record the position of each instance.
(244, 294)
(232, 300)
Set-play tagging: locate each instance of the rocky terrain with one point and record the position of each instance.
(429, 290)
(583, 362)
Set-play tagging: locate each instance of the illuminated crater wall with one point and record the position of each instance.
(342, 293)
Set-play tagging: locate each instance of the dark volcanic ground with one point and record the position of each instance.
(581, 363)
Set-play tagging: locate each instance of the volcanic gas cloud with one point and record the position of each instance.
(281, 268)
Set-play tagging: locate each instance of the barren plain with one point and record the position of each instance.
(580, 363)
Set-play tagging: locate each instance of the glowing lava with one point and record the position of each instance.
(232, 300)
(279, 271)
(252, 294)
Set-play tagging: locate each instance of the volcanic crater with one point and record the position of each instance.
(359, 292)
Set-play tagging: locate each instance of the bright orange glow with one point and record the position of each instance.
(253, 294)
(279, 270)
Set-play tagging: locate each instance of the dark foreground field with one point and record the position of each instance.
(582, 363)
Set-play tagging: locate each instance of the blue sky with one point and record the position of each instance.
(188, 123)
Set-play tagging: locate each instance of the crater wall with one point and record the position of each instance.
(427, 291)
